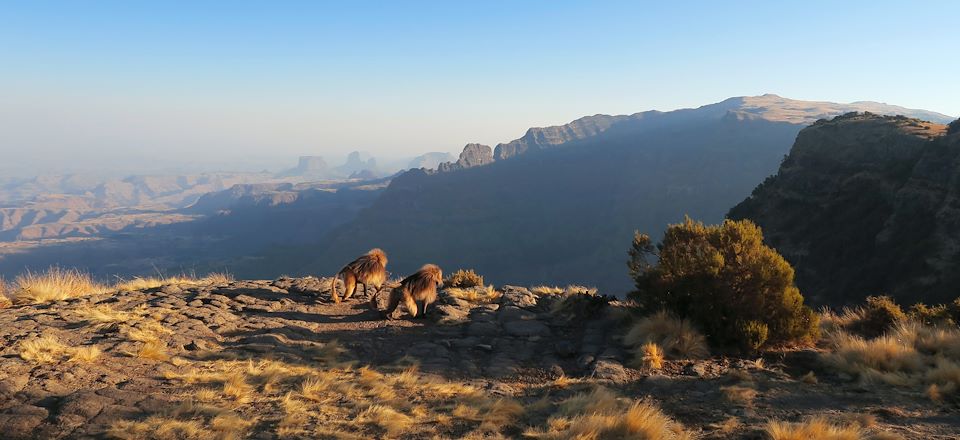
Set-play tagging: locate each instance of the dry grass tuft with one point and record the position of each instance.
(815, 428)
(48, 349)
(4, 300)
(809, 378)
(609, 418)
(55, 284)
(728, 426)
(911, 355)
(739, 394)
(104, 316)
(45, 349)
(463, 279)
(144, 283)
(390, 420)
(651, 356)
(155, 350)
(479, 294)
(676, 337)
(85, 354)
(570, 290)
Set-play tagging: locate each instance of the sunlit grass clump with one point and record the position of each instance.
(910, 355)
(463, 279)
(478, 294)
(143, 283)
(48, 349)
(601, 414)
(55, 284)
(676, 338)
(326, 398)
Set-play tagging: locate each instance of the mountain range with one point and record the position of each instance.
(558, 205)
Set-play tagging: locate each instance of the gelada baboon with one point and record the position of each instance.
(369, 269)
(421, 287)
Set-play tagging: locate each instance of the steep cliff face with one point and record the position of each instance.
(538, 138)
(866, 204)
(473, 155)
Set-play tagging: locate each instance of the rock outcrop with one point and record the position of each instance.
(473, 155)
(866, 205)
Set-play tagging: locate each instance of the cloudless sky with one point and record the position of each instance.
(87, 83)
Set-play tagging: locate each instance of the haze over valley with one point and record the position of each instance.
(576, 220)
(630, 172)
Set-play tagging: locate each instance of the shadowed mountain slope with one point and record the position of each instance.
(866, 205)
(560, 204)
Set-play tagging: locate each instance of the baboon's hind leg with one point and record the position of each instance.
(349, 286)
(411, 305)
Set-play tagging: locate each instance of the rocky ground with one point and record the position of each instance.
(155, 349)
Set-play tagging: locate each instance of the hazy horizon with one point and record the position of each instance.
(239, 86)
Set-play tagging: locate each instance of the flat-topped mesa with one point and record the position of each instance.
(473, 155)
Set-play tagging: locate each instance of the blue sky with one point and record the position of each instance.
(259, 81)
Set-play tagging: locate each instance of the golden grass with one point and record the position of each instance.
(154, 350)
(144, 283)
(815, 428)
(601, 415)
(339, 401)
(45, 349)
(4, 300)
(728, 426)
(85, 354)
(386, 418)
(103, 316)
(55, 284)
(463, 279)
(49, 349)
(809, 378)
(479, 295)
(188, 421)
(570, 290)
(295, 415)
(739, 394)
(910, 355)
(651, 356)
(676, 337)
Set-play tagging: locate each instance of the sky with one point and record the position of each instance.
(101, 85)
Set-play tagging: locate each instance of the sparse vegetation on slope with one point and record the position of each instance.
(911, 355)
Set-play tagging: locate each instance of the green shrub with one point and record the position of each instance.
(753, 334)
(880, 314)
(463, 279)
(931, 315)
(720, 277)
(953, 310)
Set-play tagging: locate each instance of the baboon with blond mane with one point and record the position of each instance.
(369, 269)
(421, 287)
